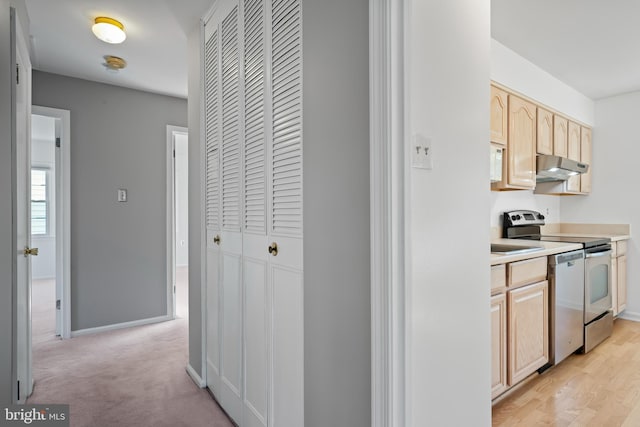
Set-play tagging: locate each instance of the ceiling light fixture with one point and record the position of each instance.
(114, 63)
(109, 30)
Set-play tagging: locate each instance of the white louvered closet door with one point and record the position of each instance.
(212, 205)
(256, 116)
(256, 283)
(285, 213)
(273, 320)
(228, 126)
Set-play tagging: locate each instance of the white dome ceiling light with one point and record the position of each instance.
(109, 30)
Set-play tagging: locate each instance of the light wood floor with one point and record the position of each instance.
(601, 388)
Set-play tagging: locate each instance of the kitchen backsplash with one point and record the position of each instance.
(502, 201)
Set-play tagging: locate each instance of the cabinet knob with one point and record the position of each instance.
(273, 249)
(216, 239)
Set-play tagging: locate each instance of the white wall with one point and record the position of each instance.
(448, 296)
(502, 201)
(519, 74)
(182, 200)
(614, 197)
(43, 155)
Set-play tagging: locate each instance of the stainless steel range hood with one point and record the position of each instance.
(556, 168)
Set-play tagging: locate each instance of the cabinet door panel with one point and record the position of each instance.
(560, 136)
(528, 330)
(614, 285)
(585, 157)
(499, 114)
(622, 282)
(545, 132)
(498, 345)
(573, 183)
(521, 143)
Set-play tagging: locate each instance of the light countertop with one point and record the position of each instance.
(613, 237)
(549, 248)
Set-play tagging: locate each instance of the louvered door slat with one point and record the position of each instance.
(254, 119)
(286, 155)
(212, 143)
(230, 123)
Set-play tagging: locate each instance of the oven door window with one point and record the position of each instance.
(597, 287)
(599, 282)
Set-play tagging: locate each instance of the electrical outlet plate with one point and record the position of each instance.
(421, 152)
(122, 195)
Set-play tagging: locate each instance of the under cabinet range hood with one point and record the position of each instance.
(556, 168)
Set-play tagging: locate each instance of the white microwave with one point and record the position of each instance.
(495, 162)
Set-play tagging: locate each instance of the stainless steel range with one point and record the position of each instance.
(576, 292)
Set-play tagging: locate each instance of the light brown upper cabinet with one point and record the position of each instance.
(545, 132)
(585, 157)
(521, 144)
(560, 135)
(573, 183)
(498, 116)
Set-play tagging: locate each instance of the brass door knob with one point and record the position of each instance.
(216, 239)
(273, 249)
(30, 251)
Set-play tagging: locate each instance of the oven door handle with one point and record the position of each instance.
(596, 254)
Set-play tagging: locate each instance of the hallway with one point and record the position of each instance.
(128, 377)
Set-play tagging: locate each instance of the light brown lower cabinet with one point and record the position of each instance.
(622, 282)
(498, 344)
(528, 330)
(619, 276)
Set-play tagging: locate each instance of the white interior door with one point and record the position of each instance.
(224, 136)
(212, 207)
(23, 213)
(256, 283)
(231, 244)
(285, 222)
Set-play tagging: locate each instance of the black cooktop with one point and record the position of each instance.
(587, 242)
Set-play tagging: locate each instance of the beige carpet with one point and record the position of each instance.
(129, 377)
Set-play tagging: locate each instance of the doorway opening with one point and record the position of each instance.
(177, 221)
(50, 224)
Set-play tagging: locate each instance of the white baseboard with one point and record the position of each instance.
(630, 315)
(116, 326)
(195, 377)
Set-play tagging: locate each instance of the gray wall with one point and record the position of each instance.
(337, 303)
(118, 250)
(195, 242)
(6, 209)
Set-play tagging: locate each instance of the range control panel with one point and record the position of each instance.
(522, 217)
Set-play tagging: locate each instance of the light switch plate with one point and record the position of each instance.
(122, 194)
(421, 152)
